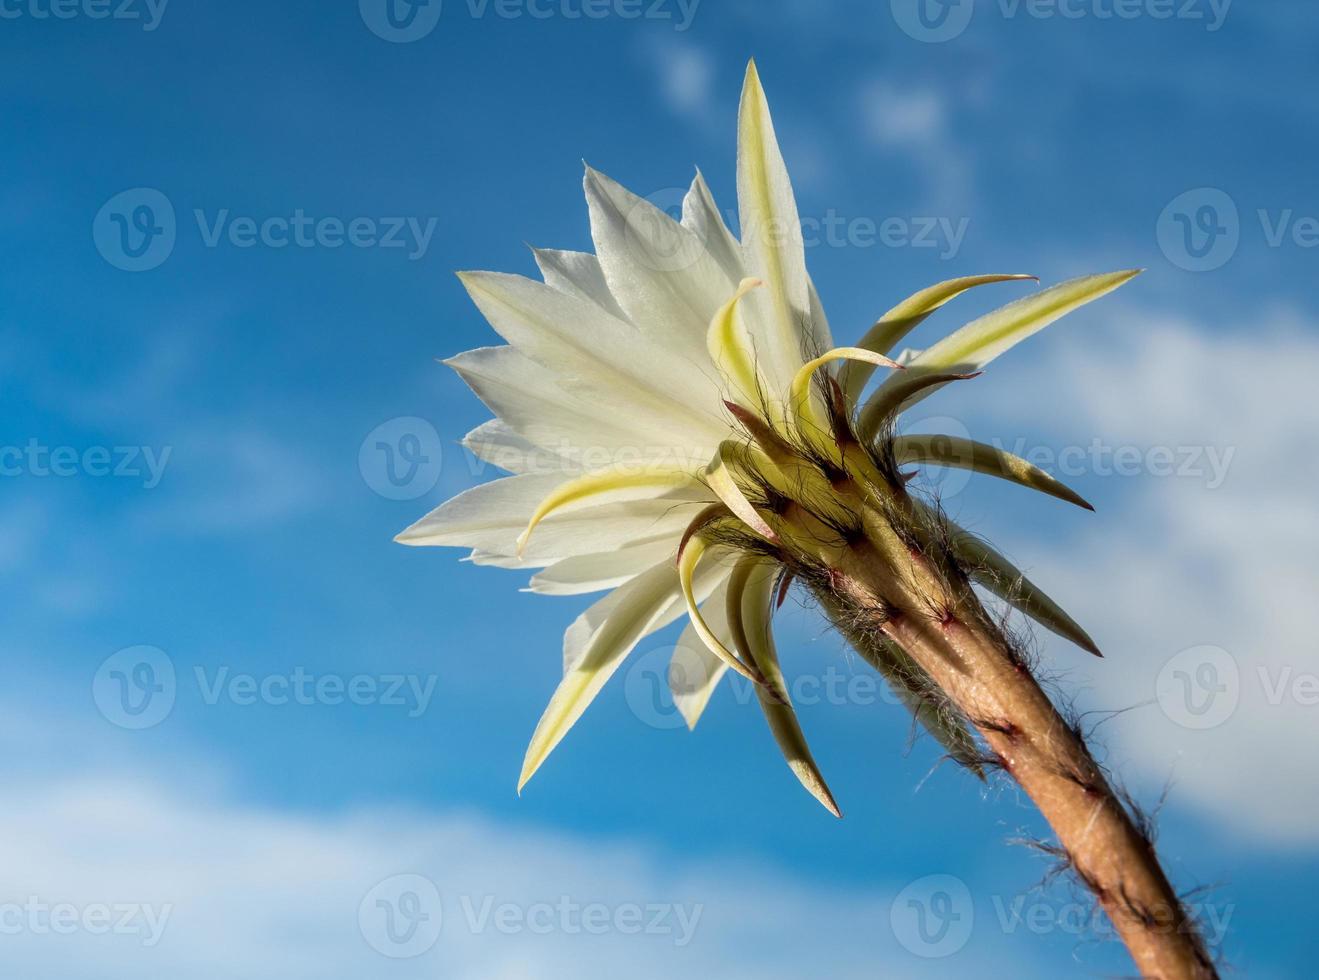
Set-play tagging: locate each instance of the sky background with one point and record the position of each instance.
(242, 535)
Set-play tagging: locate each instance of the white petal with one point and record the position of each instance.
(529, 399)
(496, 442)
(578, 274)
(822, 338)
(660, 273)
(490, 517)
(771, 236)
(512, 562)
(600, 357)
(603, 570)
(701, 216)
(597, 643)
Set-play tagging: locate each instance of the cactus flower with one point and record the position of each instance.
(685, 436)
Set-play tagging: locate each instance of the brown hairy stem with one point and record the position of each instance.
(915, 597)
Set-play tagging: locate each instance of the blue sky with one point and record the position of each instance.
(236, 386)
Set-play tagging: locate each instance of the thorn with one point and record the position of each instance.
(785, 583)
(739, 413)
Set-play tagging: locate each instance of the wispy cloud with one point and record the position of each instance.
(686, 75)
(912, 122)
(210, 888)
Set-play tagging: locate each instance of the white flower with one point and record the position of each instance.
(678, 395)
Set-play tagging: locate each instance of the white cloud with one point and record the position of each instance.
(904, 117)
(1177, 565)
(206, 888)
(686, 76)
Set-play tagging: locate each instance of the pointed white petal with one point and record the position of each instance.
(490, 517)
(658, 271)
(496, 443)
(578, 274)
(489, 559)
(771, 236)
(594, 647)
(529, 398)
(822, 337)
(701, 216)
(598, 356)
